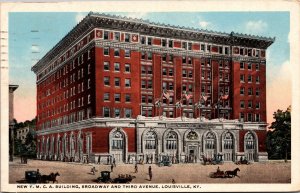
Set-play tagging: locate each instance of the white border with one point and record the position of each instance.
(160, 6)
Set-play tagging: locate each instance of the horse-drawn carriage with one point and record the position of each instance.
(243, 161)
(224, 174)
(218, 159)
(35, 177)
(105, 178)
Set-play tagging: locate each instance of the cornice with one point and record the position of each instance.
(144, 27)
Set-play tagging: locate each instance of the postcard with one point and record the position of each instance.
(163, 96)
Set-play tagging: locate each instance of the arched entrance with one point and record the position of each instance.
(171, 146)
(118, 145)
(228, 146)
(150, 146)
(191, 147)
(210, 145)
(250, 146)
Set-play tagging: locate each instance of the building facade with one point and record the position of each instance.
(130, 90)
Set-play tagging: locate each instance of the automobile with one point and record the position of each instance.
(164, 162)
(104, 177)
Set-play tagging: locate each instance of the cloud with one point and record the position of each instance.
(35, 48)
(279, 88)
(256, 26)
(204, 24)
(79, 17)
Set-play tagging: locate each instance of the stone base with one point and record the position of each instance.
(262, 156)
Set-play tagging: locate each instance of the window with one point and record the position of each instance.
(117, 112)
(106, 81)
(106, 35)
(149, 98)
(143, 83)
(249, 66)
(170, 71)
(164, 57)
(220, 50)
(149, 83)
(226, 50)
(210, 141)
(127, 37)
(149, 55)
(228, 141)
(242, 104)
(117, 97)
(257, 106)
(117, 52)
(208, 47)
(106, 51)
(257, 117)
(164, 71)
(127, 53)
(242, 116)
(150, 140)
(89, 86)
(117, 67)
(183, 45)
(106, 66)
(149, 41)
(257, 66)
(143, 39)
(257, 80)
(143, 69)
(117, 140)
(143, 99)
(184, 87)
(127, 67)
(117, 36)
(249, 118)
(190, 87)
(249, 141)
(171, 140)
(249, 78)
(170, 43)
(242, 65)
(242, 91)
(163, 42)
(242, 51)
(171, 86)
(183, 59)
(127, 98)
(190, 74)
(149, 70)
(170, 58)
(257, 92)
(250, 91)
(242, 78)
(250, 104)
(117, 81)
(189, 46)
(128, 113)
(202, 47)
(184, 74)
(106, 97)
(127, 82)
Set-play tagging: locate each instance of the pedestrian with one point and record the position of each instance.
(135, 168)
(150, 172)
(112, 167)
(173, 181)
(99, 158)
(38, 176)
(114, 162)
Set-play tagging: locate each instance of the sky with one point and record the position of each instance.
(33, 34)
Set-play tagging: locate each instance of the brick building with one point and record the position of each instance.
(128, 89)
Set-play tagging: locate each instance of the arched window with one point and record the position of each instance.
(192, 135)
(249, 141)
(117, 140)
(228, 141)
(210, 141)
(150, 140)
(171, 140)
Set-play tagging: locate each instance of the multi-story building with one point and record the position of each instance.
(128, 89)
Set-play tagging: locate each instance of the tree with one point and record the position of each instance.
(279, 137)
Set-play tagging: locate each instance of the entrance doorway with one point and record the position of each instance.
(192, 154)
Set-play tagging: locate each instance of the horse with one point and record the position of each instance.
(205, 160)
(232, 173)
(51, 177)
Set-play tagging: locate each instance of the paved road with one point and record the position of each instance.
(269, 172)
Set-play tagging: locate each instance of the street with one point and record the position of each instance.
(70, 172)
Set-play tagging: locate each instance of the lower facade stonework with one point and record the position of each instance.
(151, 140)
